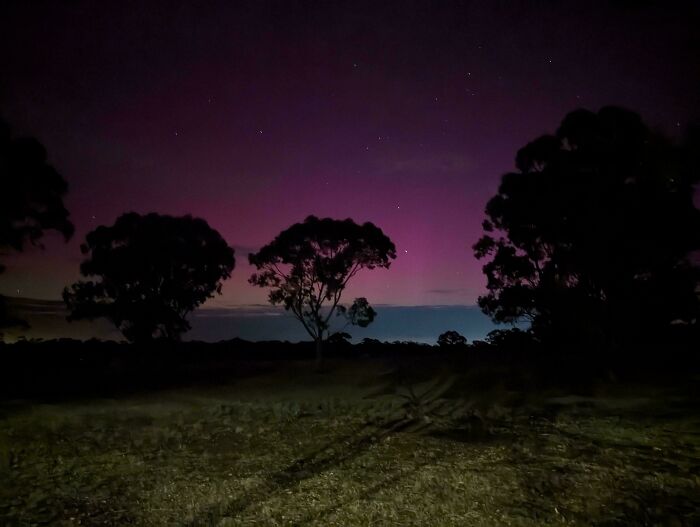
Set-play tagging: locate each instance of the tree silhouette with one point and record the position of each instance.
(31, 198)
(309, 265)
(339, 338)
(152, 271)
(451, 339)
(360, 313)
(591, 235)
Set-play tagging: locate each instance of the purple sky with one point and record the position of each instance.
(254, 117)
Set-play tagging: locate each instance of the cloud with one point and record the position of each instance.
(442, 165)
(448, 163)
(228, 310)
(37, 306)
(456, 291)
(239, 311)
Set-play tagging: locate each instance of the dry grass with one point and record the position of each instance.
(321, 453)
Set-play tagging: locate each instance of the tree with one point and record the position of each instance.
(590, 237)
(339, 338)
(451, 339)
(31, 198)
(309, 265)
(510, 339)
(360, 313)
(151, 271)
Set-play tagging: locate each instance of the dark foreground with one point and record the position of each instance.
(361, 444)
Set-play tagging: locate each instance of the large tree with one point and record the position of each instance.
(309, 265)
(150, 272)
(31, 198)
(590, 237)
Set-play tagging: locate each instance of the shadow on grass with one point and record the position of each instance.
(333, 454)
(411, 416)
(573, 476)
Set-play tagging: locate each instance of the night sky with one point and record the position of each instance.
(255, 115)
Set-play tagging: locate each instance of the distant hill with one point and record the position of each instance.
(47, 320)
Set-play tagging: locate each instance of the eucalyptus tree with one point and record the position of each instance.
(31, 199)
(148, 273)
(308, 266)
(591, 235)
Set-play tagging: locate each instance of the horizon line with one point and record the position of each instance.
(268, 306)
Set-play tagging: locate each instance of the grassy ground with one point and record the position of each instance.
(346, 448)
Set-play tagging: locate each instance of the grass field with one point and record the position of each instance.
(289, 447)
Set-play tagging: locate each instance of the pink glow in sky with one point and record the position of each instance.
(255, 117)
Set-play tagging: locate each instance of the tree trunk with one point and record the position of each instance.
(319, 354)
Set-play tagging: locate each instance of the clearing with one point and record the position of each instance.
(289, 447)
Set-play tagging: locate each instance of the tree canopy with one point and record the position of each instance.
(308, 266)
(150, 272)
(31, 199)
(451, 339)
(592, 233)
(31, 193)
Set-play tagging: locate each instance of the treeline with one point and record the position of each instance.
(593, 240)
(146, 273)
(511, 358)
